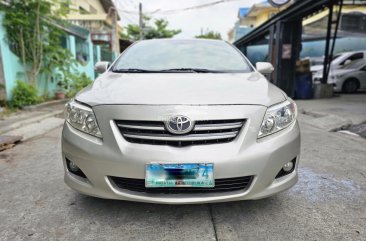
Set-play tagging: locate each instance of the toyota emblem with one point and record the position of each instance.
(179, 124)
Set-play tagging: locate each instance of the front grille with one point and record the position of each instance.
(221, 185)
(204, 132)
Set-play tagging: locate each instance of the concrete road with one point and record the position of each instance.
(328, 203)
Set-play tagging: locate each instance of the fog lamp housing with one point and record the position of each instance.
(286, 169)
(288, 166)
(74, 169)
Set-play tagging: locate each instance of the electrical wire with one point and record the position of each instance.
(172, 11)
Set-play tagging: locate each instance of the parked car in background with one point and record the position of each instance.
(349, 78)
(340, 60)
(316, 61)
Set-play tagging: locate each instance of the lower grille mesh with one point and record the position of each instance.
(221, 185)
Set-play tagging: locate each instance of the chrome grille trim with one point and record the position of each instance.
(204, 132)
(224, 126)
(158, 128)
(192, 137)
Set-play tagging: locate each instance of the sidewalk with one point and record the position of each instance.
(335, 113)
(34, 121)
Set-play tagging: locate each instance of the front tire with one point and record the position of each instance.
(350, 86)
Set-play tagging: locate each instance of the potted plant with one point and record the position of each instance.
(61, 89)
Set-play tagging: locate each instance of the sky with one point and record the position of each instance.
(219, 18)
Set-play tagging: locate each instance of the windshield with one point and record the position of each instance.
(182, 55)
(336, 57)
(355, 64)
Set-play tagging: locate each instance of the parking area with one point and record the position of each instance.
(328, 203)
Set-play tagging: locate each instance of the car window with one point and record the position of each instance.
(159, 55)
(356, 56)
(354, 65)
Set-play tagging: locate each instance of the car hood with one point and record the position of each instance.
(181, 89)
(341, 71)
(334, 72)
(316, 68)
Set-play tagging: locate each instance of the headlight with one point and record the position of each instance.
(82, 118)
(278, 117)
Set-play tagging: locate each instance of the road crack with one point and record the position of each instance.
(213, 221)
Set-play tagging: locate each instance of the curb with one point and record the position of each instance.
(29, 121)
(36, 129)
(45, 104)
(326, 121)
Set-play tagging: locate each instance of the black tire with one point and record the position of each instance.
(350, 86)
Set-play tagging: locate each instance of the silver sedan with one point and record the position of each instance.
(181, 121)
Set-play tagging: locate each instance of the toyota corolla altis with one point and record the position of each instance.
(181, 121)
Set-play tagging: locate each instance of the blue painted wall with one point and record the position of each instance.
(13, 68)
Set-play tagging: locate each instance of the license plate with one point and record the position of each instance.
(179, 175)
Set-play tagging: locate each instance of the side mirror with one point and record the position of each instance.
(347, 62)
(101, 66)
(264, 67)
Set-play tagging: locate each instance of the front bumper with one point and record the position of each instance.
(245, 156)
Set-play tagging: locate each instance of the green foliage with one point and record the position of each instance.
(210, 35)
(2, 95)
(71, 84)
(80, 82)
(159, 30)
(23, 94)
(132, 32)
(33, 33)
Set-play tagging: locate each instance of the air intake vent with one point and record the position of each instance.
(204, 132)
(221, 185)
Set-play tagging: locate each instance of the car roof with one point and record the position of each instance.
(182, 40)
(351, 52)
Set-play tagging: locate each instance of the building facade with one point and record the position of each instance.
(351, 35)
(249, 18)
(100, 17)
(76, 39)
(91, 36)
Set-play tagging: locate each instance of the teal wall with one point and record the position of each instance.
(13, 68)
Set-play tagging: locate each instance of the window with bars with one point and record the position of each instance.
(354, 22)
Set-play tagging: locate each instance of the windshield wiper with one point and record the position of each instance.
(193, 70)
(134, 71)
(188, 70)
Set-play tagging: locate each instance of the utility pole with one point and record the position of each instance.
(141, 23)
(114, 35)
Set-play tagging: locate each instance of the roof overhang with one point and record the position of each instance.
(107, 5)
(298, 10)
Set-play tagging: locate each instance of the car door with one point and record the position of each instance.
(353, 57)
(361, 76)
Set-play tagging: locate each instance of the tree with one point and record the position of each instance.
(159, 30)
(210, 35)
(132, 32)
(34, 35)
